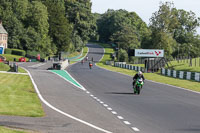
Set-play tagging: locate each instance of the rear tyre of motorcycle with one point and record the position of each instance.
(139, 88)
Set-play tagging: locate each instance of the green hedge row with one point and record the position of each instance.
(15, 52)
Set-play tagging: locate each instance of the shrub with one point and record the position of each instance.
(18, 52)
(123, 55)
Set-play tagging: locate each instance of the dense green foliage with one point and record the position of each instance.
(47, 26)
(15, 52)
(170, 29)
(52, 26)
(175, 31)
(126, 29)
(84, 25)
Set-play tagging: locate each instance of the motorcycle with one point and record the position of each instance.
(138, 86)
(90, 65)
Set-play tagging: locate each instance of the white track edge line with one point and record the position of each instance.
(70, 116)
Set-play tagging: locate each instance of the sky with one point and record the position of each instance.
(144, 8)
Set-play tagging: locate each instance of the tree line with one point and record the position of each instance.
(170, 29)
(48, 26)
(52, 26)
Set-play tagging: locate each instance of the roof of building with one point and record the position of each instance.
(2, 30)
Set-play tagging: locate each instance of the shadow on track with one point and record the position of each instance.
(120, 93)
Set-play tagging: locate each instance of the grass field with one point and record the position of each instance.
(183, 65)
(8, 130)
(5, 67)
(18, 97)
(192, 85)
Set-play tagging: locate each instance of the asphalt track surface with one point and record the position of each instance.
(159, 108)
(110, 105)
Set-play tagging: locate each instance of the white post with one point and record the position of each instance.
(174, 73)
(188, 76)
(181, 74)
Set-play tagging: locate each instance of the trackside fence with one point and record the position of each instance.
(130, 67)
(181, 74)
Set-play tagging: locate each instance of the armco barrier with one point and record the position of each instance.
(126, 66)
(181, 74)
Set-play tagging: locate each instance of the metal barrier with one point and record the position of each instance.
(181, 74)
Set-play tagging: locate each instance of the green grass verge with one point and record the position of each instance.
(184, 65)
(18, 97)
(5, 67)
(8, 130)
(192, 85)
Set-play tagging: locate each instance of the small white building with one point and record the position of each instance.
(3, 36)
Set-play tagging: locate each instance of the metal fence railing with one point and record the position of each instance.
(127, 66)
(181, 74)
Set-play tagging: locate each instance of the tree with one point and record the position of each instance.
(37, 24)
(11, 23)
(60, 29)
(84, 25)
(174, 30)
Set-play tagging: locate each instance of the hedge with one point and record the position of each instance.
(8, 51)
(18, 52)
(15, 52)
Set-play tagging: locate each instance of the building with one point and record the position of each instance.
(3, 36)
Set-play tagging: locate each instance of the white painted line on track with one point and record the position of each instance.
(127, 123)
(105, 105)
(109, 108)
(13, 73)
(120, 117)
(68, 115)
(114, 112)
(98, 100)
(135, 129)
(82, 88)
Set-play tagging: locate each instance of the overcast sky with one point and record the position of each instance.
(144, 8)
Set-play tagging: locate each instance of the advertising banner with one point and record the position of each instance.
(149, 53)
(1, 50)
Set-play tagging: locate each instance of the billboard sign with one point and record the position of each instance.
(1, 50)
(149, 53)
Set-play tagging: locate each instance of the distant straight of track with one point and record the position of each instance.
(158, 109)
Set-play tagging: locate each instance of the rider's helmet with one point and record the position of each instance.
(140, 73)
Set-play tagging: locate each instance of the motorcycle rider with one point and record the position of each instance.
(90, 64)
(138, 75)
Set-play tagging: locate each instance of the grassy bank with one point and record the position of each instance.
(8, 130)
(192, 85)
(183, 65)
(18, 97)
(5, 67)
